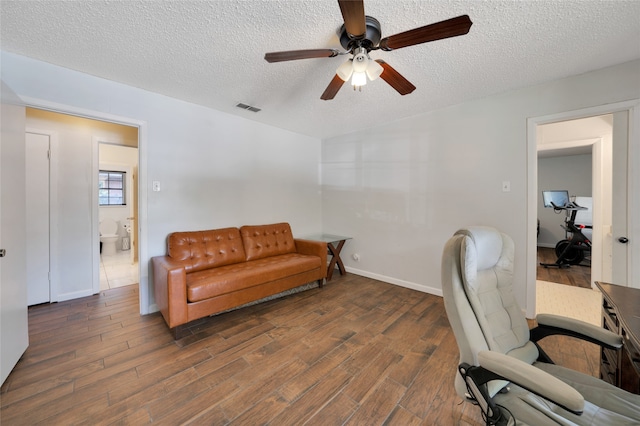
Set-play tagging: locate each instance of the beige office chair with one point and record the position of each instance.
(502, 368)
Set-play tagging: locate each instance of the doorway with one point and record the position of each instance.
(117, 203)
(574, 158)
(624, 114)
(74, 224)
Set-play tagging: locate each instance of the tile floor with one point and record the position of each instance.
(117, 270)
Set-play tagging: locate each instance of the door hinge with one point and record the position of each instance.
(49, 154)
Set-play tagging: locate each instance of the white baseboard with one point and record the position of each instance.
(74, 295)
(407, 284)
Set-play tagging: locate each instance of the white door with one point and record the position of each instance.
(37, 182)
(14, 334)
(619, 194)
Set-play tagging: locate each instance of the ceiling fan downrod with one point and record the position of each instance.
(368, 41)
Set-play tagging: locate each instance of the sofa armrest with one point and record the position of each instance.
(314, 248)
(170, 289)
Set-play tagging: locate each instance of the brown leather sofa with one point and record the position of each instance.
(207, 272)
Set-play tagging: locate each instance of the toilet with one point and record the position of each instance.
(108, 236)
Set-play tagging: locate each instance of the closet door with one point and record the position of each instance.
(38, 241)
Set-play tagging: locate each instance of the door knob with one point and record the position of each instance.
(623, 240)
(3, 252)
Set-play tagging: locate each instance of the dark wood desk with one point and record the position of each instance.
(334, 246)
(621, 314)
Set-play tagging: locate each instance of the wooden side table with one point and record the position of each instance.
(334, 246)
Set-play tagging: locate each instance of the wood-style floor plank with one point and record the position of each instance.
(358, 351)
(574, 275)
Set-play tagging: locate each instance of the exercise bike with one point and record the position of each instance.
(573, 249)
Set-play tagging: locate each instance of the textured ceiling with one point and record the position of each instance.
(212, 52)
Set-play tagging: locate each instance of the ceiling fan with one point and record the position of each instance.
(361, 34)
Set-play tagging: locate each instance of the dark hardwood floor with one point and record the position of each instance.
(575, 275)
(358, 351)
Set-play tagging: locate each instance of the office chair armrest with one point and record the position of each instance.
(533, 379)
(554, 324)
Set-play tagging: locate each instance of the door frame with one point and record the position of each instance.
(142, 236)
(633, 108)
(54, 272)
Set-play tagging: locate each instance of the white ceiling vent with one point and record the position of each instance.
(248, 107)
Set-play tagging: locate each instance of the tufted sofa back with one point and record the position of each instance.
(206, 249)
(267, 240)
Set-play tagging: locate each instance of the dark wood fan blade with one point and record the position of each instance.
(292, 55)
(332, 89)
(395, 80)
(450, 28)
(353, 14)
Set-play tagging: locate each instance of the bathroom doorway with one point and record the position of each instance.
(118, 206)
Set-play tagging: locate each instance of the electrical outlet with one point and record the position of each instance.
(156, 186)
(506, 186)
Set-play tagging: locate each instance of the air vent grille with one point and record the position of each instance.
(248, 107)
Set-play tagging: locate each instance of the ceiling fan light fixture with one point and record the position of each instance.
(374, 70)
(358, 79)
(345, 70)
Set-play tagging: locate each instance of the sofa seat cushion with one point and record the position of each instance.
(213, 282)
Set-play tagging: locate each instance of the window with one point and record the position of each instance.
(111, 185)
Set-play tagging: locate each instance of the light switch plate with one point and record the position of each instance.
(156, 186)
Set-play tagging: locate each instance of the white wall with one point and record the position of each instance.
(570, 172)
(402, 189)
(215, 169)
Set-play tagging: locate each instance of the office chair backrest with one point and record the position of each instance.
(477, 268)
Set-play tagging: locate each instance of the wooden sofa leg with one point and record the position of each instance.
(321, 282)
(180, 331)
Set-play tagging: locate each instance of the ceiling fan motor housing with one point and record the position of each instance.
(370, 39)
